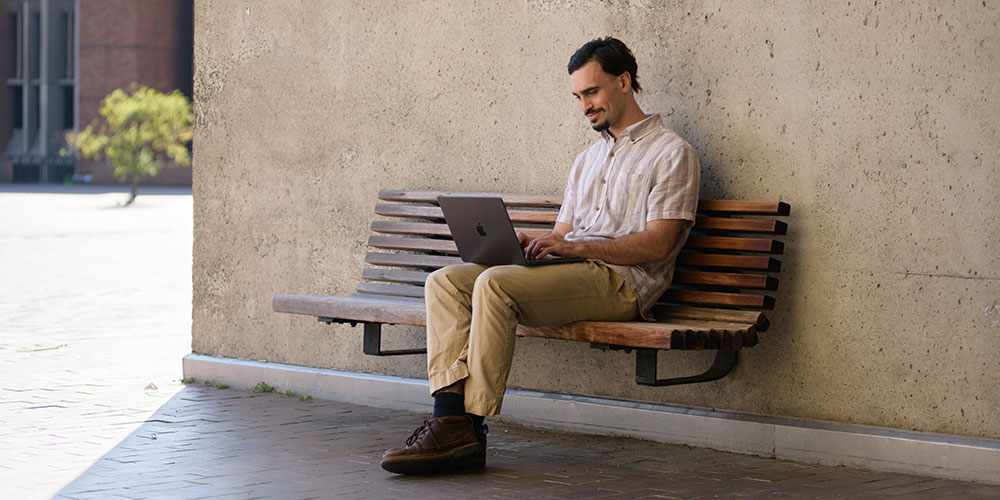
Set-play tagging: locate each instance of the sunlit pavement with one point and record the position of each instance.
(95, 316)
(95, 308)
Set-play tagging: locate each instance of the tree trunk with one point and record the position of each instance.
(133, 190)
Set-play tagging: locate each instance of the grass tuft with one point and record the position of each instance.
(263, 387)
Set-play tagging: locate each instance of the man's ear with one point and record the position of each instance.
(625, 82)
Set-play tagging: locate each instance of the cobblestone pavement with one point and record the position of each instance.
(212, 443)
(95, 315)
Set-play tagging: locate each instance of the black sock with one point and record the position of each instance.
(447, 404)
(477, 421)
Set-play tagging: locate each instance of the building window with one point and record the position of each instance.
(15, 43)
(17, 108)
(68, 20)
(34, 54)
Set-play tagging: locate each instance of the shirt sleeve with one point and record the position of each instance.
(674, 194)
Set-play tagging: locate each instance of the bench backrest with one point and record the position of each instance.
(727, 262)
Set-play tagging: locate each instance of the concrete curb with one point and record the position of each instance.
(876, 448)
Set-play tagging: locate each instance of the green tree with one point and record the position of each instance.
(142, 131)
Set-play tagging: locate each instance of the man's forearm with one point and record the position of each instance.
(630, 250)
(653, 244)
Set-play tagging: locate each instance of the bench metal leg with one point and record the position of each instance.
(373, 343)
(645, 368)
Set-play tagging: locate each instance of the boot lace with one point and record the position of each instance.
(424, 428)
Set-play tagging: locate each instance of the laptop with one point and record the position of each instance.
(484, 234)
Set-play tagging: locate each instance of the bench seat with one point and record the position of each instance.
(676, 327)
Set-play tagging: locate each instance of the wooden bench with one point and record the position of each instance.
(716, 300)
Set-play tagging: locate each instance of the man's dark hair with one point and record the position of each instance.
(611, 53)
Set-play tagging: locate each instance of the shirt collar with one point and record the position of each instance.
(637, 130)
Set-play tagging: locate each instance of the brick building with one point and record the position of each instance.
(59, 58)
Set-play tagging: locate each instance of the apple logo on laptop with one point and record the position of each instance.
(480, 230)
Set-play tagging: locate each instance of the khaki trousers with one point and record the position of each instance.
(473, 312)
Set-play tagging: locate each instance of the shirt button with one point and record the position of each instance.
(598, 209)
(604, 181)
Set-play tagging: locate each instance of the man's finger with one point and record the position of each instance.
(530, 249)
(535, 247)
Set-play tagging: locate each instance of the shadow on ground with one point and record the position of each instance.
(224, 443)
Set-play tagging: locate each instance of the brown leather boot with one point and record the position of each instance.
(442, 444)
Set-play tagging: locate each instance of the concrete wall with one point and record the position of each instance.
(876, 121)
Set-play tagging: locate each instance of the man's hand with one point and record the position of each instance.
(540, 246)
(523, 239)
(551, 243)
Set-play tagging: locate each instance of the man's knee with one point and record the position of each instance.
(490, 276)
(439, 285)
(455, 281)
(437, 279)
(493, 281)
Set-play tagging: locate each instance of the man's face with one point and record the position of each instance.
(601, 96)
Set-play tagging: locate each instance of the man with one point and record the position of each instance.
(628, 207)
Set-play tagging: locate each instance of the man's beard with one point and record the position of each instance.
(600, 127)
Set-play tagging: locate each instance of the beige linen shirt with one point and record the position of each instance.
(616, 187)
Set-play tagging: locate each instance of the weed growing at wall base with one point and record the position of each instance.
(263, 387)
(218, 385)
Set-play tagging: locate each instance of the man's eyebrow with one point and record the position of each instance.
(586, 90)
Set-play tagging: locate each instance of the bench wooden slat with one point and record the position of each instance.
(412, 211)
(408, 301)
(391, 289)
(434, 212)
(695, 241)
(432, 229)
(691, 334)
(739, 244)
(749, 262)
(719, 298)
(514, 200)
(689, 259)
(737, 280)
(410, 260)
(757, 226)
(681, 277)
(393, 310)
(741, 207)
(394, 275)
(403, 243)
(673, 312)
(400, 227)
(723, 206)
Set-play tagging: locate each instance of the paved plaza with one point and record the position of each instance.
(95, 308)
